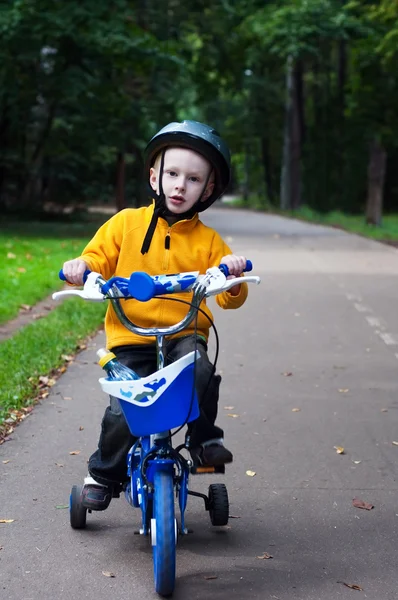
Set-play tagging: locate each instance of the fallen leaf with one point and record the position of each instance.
(361, 504)
(357, 462)
(28, 256)
(74, 452)
(67, 398)
(353, 586)
(38, 316)
(288, 374)
(229, 407)
(395, 443)
(7, 520)
(233, 517)
(232, 415)
(67, 357)
(81, 428)
(11, 255)
(26, 307)
(343, 390)
(210, 577)
(21, 270)
(59, 465)
(108, 574)
(296, 409)
(5, 462)
(251, 473)
(43, 379)
(265, 556)
(62, 506)
(339, 449)
(384, 410)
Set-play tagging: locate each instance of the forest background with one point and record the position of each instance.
(304, 91)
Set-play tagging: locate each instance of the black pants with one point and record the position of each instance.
(108, 463)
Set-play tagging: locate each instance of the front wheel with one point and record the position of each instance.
(163, 533)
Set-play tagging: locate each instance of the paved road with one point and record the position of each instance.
(320, 335)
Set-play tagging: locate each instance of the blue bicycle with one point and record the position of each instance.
(154, 406)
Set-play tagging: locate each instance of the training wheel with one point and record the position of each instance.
(218, 504)
(77, 512)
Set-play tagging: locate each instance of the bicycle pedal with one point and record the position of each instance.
(203, 470)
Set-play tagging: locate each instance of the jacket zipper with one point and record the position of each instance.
(167, 240)
(167, 247)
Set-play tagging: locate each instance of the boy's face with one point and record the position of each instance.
(185, 173)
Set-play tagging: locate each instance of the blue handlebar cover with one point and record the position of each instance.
(85, 275)
(224, 269)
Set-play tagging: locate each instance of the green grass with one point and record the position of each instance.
(31, 255)
(37, 349)
(353, 223)
(388, 231)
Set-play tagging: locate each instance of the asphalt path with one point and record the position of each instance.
(309, 363)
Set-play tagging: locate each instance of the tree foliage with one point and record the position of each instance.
(301, 87)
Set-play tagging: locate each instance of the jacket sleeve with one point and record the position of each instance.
(225, 300)
(102, 252)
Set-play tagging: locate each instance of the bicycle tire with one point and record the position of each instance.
(218, 504)
(164, 536)
(77, 512)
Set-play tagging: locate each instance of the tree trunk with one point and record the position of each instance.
(299, 95)
(34, 162)
(267, 168)
(286, 170)
(290, 196)
(296, 137)
(120, 178)
(376, 175)
(246, 181)
(342, 75)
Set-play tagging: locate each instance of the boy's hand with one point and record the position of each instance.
(74, 270)
(236, 265)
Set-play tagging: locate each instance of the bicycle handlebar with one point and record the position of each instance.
(225, 270)
(212, 283)
(85, 275)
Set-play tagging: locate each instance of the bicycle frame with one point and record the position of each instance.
(147, 453)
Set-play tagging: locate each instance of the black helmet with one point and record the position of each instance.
(201, 138)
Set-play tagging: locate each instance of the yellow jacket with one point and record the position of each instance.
(192, 246)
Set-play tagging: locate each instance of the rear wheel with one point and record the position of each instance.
(218, 504)
(163, 533)
(77, 512)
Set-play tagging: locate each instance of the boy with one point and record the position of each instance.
(188, 168)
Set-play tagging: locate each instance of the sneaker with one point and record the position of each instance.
(96, 496)
(211, 454)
